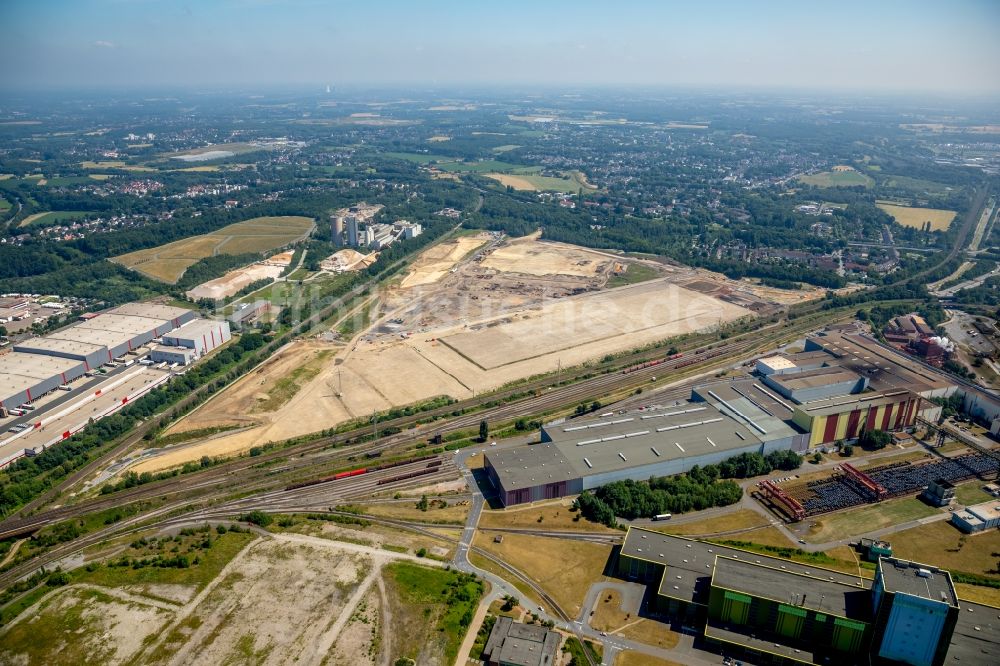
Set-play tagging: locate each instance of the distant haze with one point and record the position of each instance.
(888, 46)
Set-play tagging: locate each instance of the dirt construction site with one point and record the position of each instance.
(473, 314)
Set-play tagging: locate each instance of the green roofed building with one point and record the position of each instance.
(775, 611)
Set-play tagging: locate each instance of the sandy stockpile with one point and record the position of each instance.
(276, 604)
(532, 257)
(658, 306)
(281, 259)
(233, 281)
(435, 263)
(347, 260)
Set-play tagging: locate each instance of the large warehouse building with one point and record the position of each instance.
(24, 377)
(776, 611)
(840, 386)
(587, 453)
(40, 365)
(201, 335)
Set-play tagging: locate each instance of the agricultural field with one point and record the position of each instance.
(115, 164)
(849, 178)
(4, 205)
(167, 263)
(535, 183)
(917, 217)
(54, 217)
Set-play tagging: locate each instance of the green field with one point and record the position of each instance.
(484, 166)
(432, 611)
(837, 179)
(915, 185)
(852, 522)
(4, 205)
(54, 217)
(63, 181)
(539, 183)
(260, 234)
(633, 274)
(419, 158)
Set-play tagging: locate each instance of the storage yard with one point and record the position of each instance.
(466, 326)
(51, 386)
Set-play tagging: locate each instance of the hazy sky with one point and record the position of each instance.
(945, 45)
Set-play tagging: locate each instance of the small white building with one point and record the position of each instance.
(201, 335)
(178, 355)
(774, 365)
(977, 518)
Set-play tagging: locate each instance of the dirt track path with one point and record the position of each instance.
(326, 641)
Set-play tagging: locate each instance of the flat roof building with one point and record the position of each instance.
(809, 385)
(774, 610)
(978, 517)
(202, 335)
(846, 417)
(172, 355)
(88, 344)
(916, 609)
(589, 452)
(25, 377)
(516, 644)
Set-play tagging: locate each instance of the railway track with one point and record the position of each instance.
(221, 478)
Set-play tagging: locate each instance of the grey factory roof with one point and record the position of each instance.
(54, 344)
(120, 323)
(807, 359)
(522, 644)
(197, 328)
(845, 403)
(151, 310)
(796, 381)
(778, 583)
(34, 366)
(755, 400)
(689, 562)
(918, 580)
(641, 438)
(92, 336)
(753, 390)
(527, 466)
(588, 446)
(746, 636)
(20, 372)
(884, 368)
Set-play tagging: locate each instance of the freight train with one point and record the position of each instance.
(364, 470)
(650, 364)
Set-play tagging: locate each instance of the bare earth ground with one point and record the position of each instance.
(506, 313)
(289, 599)
(439, 259)
(273, 606)
(232, 282)
(108, 628)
